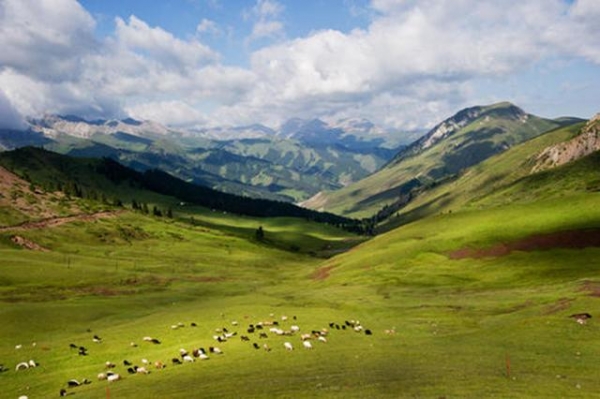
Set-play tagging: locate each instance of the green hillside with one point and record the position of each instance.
(458, 143)
(440, 325)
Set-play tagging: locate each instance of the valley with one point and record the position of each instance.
(459, 296)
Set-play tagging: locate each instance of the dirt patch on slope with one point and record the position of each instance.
(28, 244)
(570, 239)
(57, 221)
(321, 273)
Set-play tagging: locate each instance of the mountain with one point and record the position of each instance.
(264, 164)
(459, 142)
(104, 178)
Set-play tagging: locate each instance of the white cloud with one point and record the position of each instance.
(173, 113)
(208, 26)
(267, 24)
(45, 39)
(413, 64)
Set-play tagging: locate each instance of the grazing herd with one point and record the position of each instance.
(258, 335)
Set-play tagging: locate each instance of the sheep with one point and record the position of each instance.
(288, 346)
(109, 365)
(322, 339)
(32, 363)
(126, 363)
(63, 392)
(266, 348)
(263, 335)
(131, 370)
(72, 346)
(307, 344)
(255, 345)
(175, 361)
(101, 377)
(368, 332)
(74, 383)
(145, 362)
(193, 324)
(294, 328)
(216, 350)
(19, 346)
(113, 377)
(284, 318)
(244, 338)
(182, 352)
(159, 365)
(203, 356)
(305, 337)
(142, 370)
(96, 339)
(23, 397)
(188, 358)
(22, 366)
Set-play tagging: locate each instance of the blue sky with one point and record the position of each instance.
(404, 64)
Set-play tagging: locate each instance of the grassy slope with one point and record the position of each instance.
(474, 142)
(503, 179)
(456, 321)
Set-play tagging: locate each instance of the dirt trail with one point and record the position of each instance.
(573, 239)
(57, 221)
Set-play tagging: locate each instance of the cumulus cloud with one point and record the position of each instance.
(45, 39)
(413, 63)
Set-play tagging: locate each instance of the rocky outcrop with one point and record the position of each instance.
(584, 144)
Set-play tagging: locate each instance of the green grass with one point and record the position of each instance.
(456, 322)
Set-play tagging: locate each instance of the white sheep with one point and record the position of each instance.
(22, 366)
(305, 337)
(322, 339)
(32, 363)
(101, 377)
(113, 377)
(307, 344)
(188, 358)
(288, 346)
(203, 356)
(294, 328)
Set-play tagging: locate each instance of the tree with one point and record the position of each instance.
(260, 233)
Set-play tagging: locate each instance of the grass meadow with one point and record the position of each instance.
(441, 327)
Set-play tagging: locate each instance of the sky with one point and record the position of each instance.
(403, 64)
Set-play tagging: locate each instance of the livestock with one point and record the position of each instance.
(33, 363)
(141, 370)
(74, 383)
(263, 335)
(145, 361)
(322, 339)
(244, 338)
(73, 346)
(214, 349)
(581, 318)
(305, 337)
(193, 324)
(188, 358)
(159, 365)
(255, 345)
(101, 377)
(22, 366)
(203, 356)
(266, 348)
(288, 346)
(131, 370)
(175, 361)
(17, 347)
(295, 328)
(109, 365)
(63, 392)
(126, 363)
(97, 339)
(113, 377)
(307, 344)
(368, 332)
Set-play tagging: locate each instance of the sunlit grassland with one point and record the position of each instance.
(490, 327)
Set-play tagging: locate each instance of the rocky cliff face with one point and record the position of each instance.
(584, 144)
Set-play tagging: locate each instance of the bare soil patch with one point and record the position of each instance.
(321, 273)
(570, 239)
(28, 244)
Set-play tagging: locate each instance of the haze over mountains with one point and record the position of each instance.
(292, 163)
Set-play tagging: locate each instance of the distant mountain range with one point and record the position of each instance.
(467, 138)
(290, 164)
